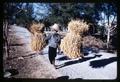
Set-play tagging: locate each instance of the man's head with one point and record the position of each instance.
(55, 27)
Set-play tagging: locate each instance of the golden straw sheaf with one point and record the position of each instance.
(71, 43)
(38, 37)
(36, 28)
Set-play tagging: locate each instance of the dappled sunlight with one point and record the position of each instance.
(81, 37)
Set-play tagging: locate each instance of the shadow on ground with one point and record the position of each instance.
(10, 72)
(102, 62)
(63, 58)
(29, 55)
(78, 79)
(85, 52)
(17, 44)
(63, 77)
(76, 61)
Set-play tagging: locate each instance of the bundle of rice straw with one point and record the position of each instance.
(36, 28)
(38, 37)
(71, 43)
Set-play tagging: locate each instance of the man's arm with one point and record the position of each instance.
(59, 39)
(47, 38)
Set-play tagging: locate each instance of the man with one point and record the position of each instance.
(53, 43)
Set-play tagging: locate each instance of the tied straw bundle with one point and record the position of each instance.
(71, 43)
(38, 37)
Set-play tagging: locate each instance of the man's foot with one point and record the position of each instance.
(82, 57)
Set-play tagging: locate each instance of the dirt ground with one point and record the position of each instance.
(27, 63)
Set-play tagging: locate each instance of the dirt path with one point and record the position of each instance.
(21, 58)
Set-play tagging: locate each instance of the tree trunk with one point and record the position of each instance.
(108, 28)
(108, 37)
(5, 38)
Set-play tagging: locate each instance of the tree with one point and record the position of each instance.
(108, 14)
(13, 12)
(62, 13)
(6, 21)
(20, 13)
(25, 17)
(5, 40)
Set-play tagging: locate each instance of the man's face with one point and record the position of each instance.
(53, 30)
